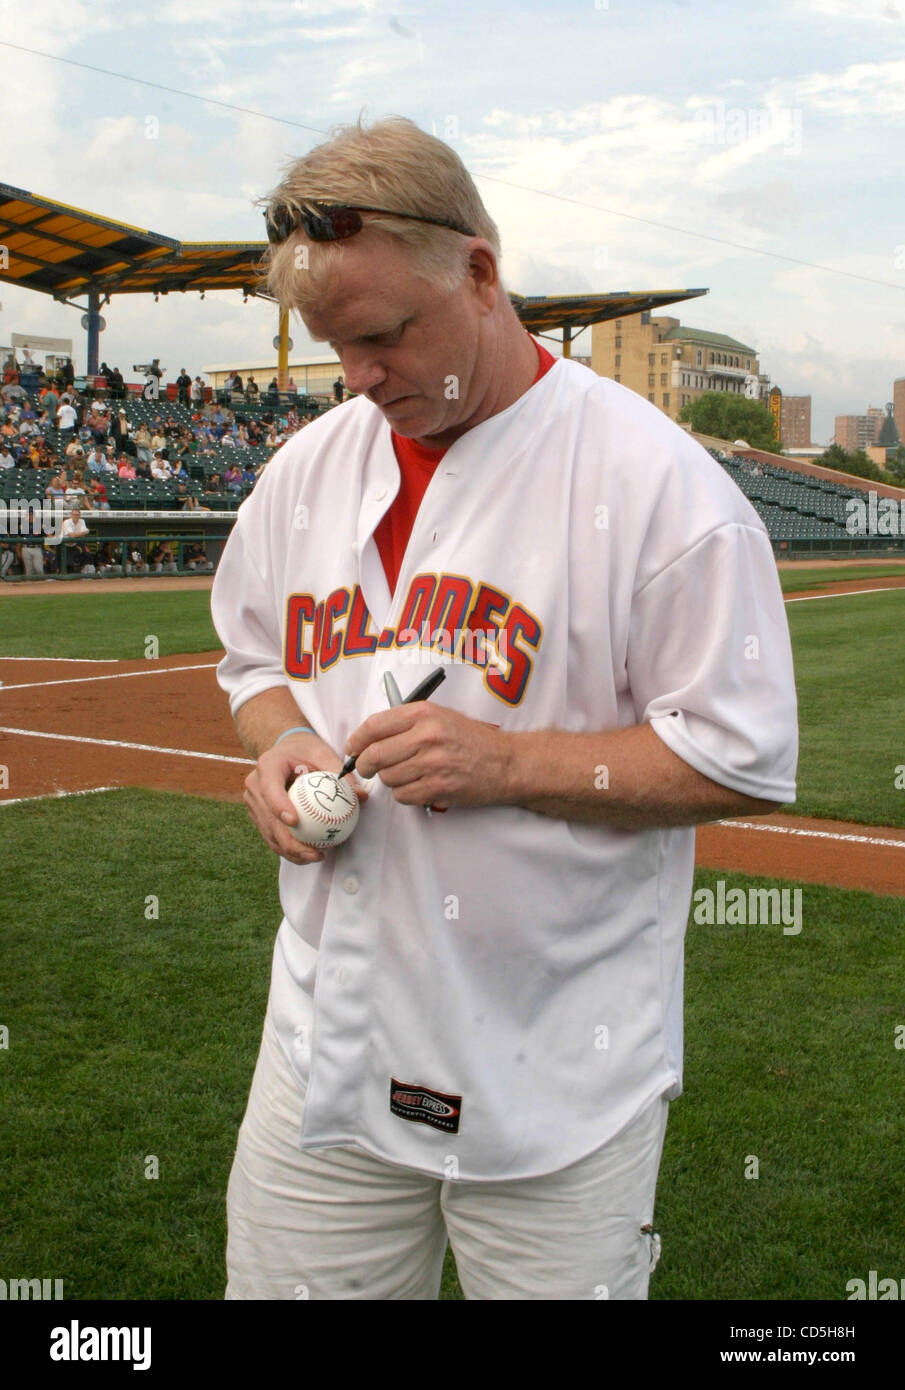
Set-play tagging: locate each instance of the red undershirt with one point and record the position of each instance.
(416, 466)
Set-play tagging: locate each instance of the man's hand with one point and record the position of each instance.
(266, 792)
(429, 755)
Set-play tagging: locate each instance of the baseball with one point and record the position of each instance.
(327, 809)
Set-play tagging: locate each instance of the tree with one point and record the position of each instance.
(856, 463)
(895, 467)
(727, 416)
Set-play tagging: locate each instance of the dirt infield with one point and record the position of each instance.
(70, 726)
(849, 586)
(151, 584)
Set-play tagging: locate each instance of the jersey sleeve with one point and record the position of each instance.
(710, 663)
(246, 615)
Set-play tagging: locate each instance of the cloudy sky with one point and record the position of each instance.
(636, 144)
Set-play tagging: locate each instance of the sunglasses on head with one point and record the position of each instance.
(336, 221)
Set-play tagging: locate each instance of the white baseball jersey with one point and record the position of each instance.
(490, 993)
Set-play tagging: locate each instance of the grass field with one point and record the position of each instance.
(99, 625)
(811, 577)
(132, 1037)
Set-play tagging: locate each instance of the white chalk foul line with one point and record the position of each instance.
(850, 593)
(73, 660)
(142, 747)
(114, 676)
(813, 834)
(52, 796)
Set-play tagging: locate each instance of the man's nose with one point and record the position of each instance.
(361, 369)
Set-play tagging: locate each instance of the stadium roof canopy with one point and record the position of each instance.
(65, 251)
(543, 312)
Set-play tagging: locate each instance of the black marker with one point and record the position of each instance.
(421, 692)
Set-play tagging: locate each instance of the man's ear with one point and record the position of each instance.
(483, 274)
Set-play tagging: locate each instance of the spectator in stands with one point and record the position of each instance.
(104, 371)
(75, 492)
(75, 452)
(50, 400)
(339, 389)
(98, 422)
(110, 463)
(228, 441)
(196, 392)
(143, 443)
(117, 384)
(12, 391)
(67, 419)
(126, 469)
(180, 473)
(183, 386)
(158, 439)
(6, 458)
(273, 391)
(233, 478)
(142, 470)
(10, 371)
(249, 476)
(55, 486)
(68, 372)
(214, 486)
(95, 460)
(97, 494)
(160, 469)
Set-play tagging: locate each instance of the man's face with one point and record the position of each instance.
(410, 348)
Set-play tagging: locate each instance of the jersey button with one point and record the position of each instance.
(351, 884)
(380, 493)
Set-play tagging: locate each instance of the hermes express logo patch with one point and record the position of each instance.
(425, 1107)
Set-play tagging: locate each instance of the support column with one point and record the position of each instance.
(283, 352)
(94, 315)
(567, 340)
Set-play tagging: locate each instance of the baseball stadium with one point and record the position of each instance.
(139, 898)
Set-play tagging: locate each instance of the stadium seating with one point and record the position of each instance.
(796, 507)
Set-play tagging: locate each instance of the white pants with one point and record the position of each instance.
(340, 1224)
(33, 559)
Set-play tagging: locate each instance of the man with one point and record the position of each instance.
(339, 387)
(67, 419)
(497, 1025)
(184, 385)
(71, 533)
(6, 458)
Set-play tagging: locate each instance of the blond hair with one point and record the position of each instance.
(392, 165)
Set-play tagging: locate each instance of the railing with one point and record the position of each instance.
(61, 558)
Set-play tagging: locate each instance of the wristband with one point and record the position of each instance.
(299, 729)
